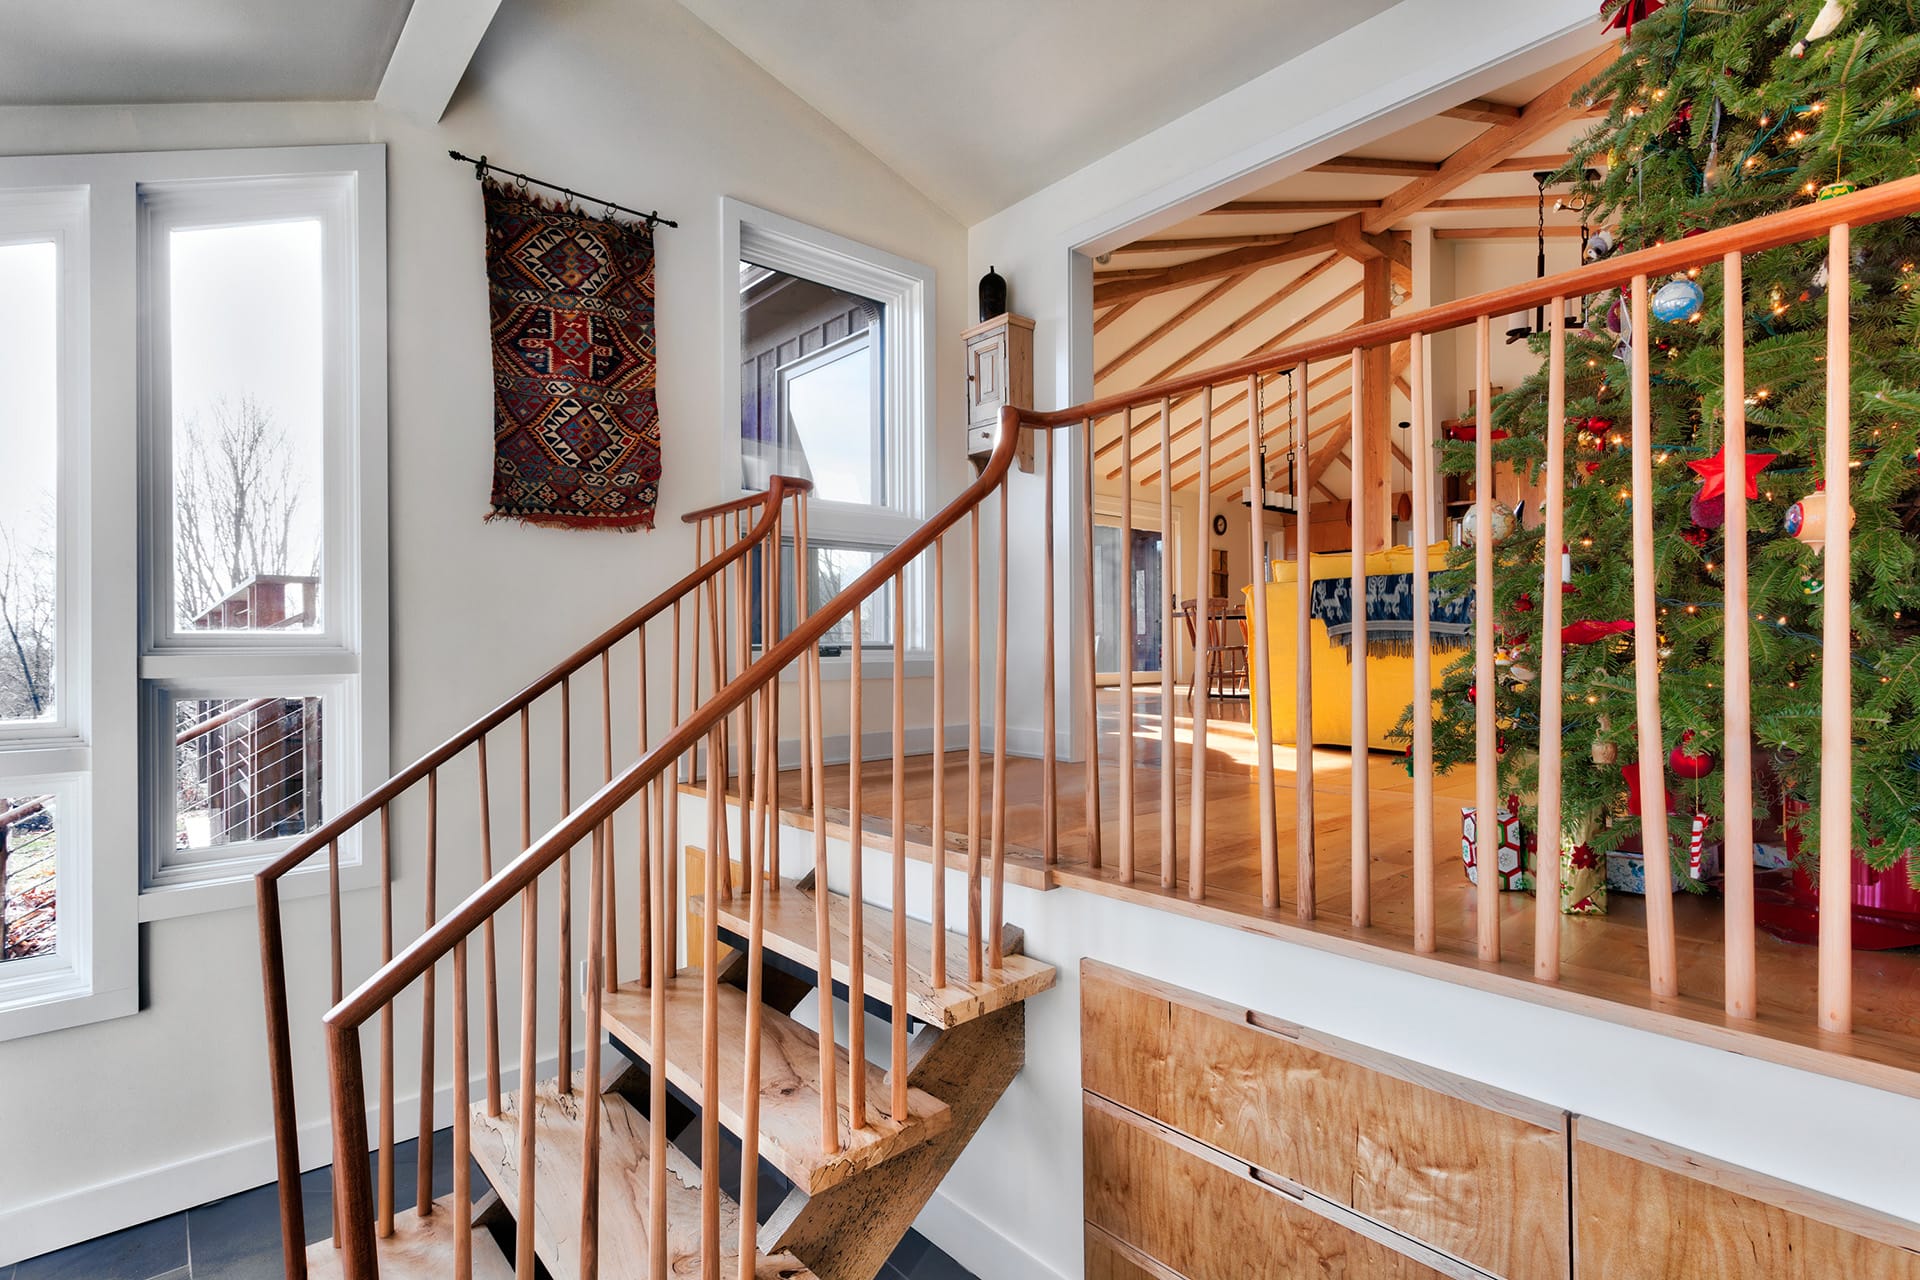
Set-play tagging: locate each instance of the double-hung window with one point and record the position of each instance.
(192, 548)
(831, 348)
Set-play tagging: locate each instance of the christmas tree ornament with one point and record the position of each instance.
(1677, 300)
(1824, 24)
(1470, 523)
(1522, 675)
(1707, 513)
(1588, 631)
(1713, 473)
(1840, 188)
(1811, 586)
(1685, 764)
(1605, 753)
(1697, 847)
(1599, 245)
(1807, 519)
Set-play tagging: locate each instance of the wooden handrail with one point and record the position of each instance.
(1895, 199)
(792, 484)
(777, 491)
(395, 976)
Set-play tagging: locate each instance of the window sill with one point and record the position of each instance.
(919, 666)
(234, 888)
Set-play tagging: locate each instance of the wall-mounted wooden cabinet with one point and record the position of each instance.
(999, 373)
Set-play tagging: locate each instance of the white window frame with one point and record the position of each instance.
(95, 756)
(905, 291)
(833, 353)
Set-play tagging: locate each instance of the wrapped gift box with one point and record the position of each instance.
(1627, 870)
(1512, 843)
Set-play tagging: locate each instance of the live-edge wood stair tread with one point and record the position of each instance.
(419, 1249)
(789, 1082)
(790, 932)
(559, 1121)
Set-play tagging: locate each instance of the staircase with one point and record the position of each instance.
(617, 1152)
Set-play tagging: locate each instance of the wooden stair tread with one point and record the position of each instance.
(624, 1196)
(789, 1082)
(419, 1249)
(790, 932)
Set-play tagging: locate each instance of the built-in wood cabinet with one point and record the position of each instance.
(999, 373)
(1221, 1143)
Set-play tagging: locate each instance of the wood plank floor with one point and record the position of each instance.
(1603, 958)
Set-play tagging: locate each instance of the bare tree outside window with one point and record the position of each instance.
(239, 506)
(27, 621)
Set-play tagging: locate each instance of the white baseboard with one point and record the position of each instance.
(976, 1244)
(29, 1230)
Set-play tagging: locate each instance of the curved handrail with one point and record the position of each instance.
(779, 488)
(427, 949)
(1894, 199)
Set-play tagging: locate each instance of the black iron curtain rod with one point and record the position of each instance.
(481, 168)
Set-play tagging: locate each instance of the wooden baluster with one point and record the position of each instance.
(610, 963)
(1743, 997)
(273, 960)
(462, 1120)
(937, 863)
(856, 890)
(996, 905)
(1306, 891)
(1546, 904)
(564, 929)
(973, 746)
(355, 1239)
(1049, 735)
(386, 1192)
(764, 783)
(1836, 657)
(1168, 591)
(770, 636)
(669, 855)
(1359, 877)
(1487, 738)
(1090, 718)
(742, 727)
(1662, 957)
(1201, 688)
(666, 794)
(649, 835)
(710, 1018)
(338, 985)
(1262, 690)
(1126, 646)
(490, 993)
(423, 1204)
(1422, 469)
(822, 923)
(590, 987)
(897, 1015)
(802, 585)
(529, 1154)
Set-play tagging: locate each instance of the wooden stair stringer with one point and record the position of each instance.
(847, 1232)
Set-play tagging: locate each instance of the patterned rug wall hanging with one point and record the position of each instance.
(576, 431)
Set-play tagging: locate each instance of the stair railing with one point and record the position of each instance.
(747, 703)
(728, 537)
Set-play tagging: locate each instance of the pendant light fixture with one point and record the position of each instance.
(1289, 502)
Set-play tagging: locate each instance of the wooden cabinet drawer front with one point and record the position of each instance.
(1470, 1171)
(1647, 1211)
(1202, 1221)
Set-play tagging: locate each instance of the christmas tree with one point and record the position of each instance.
(1720, 111)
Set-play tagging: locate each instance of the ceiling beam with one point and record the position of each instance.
(1376, 165)
(1502, 233)
(1338, 369)
(1479, 109)
(1551, 108)
(1320, 458)
(435, 47)
(1552, 162)
(1125, 285)
(1486, 202)
(1173, 322)
(1111, 314)
(1293, 206)
(1180, 244)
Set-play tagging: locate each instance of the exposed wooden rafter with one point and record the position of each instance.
(1503, 233)
(1182, 244)
(1344, 235)
(1292, 206)
(1378, 166)
(1482, 111)
(1324, 455)
(1167, 326)
(1550, 109)
(1107, 317)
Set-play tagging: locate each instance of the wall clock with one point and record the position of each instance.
(1220, 526)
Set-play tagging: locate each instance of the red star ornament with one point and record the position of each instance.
(1713, 473)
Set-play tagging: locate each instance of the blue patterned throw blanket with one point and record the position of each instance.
(1390, 615)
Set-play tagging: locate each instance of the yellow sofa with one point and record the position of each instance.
(1389, 679)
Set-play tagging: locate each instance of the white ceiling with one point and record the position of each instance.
(983, 102)
(119, 51)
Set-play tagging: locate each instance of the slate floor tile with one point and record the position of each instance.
(138, 1253)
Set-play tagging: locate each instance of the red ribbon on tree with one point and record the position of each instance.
(1627, 13)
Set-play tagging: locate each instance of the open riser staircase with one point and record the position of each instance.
(705, 1012)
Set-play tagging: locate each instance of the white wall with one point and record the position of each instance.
(632, 99)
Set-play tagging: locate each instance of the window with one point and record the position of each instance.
(192, 542)
(834, 388)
